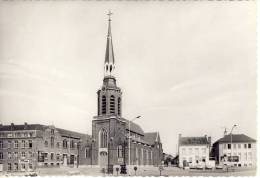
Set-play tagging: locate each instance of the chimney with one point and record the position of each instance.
(209, 140)
(25, 125)
(1, 125)
(12, 126)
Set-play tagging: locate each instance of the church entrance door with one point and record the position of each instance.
(103, 159)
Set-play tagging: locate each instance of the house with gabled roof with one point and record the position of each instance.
(193, 150)
(239, 149)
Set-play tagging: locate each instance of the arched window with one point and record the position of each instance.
(104, 104)
(119, 151)
(119, 105)
(103, 138)
(112, 104)
(52, 141)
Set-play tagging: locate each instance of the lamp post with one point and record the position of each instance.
(231, 141)
(92, 142)
(129, 141)
(78, 146)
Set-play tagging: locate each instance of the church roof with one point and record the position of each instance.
(235, 138)
(151, 137)
(133, 127)
(193, 141)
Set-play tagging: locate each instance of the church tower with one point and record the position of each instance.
(109, 96)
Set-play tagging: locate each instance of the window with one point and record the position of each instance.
(183, 151)
(52, 156)
(52, 131)
(112, 104)
(52, 142)
(190, 160)
(9, 155)
(1, 144)
(31, 134)
(190, 150)
(119, 105)
(9, 144)
(72, 144)
(203, 150)
(103, 138)
(235, 146)
(58, 157)
(1, 155)
(25, 134)
(23, 144)
(23, 154)
(16, 166)
(239, 146)
(245, 156)
(23, 166)
(30, 154)
(58, 144)
(46, 143)
(229, 146)
(30, 143)
(250, 156)
(119, 151)
(15, 155)
(104, 104)
(249, 145)
(87, 153)
(16, 144)
(245, 145)
(65, 143)
(9, 166)
(30, 166)
(196, 151)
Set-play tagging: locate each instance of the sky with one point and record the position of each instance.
(186, 67)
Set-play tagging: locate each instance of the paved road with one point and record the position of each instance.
(144, 171)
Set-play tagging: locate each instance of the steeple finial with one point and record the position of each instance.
(109, 57)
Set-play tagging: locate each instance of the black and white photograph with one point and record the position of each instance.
(128, 88)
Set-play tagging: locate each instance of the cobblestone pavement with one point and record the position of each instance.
(141, 171)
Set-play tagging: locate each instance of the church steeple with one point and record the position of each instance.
(109, 96)
(109, 65)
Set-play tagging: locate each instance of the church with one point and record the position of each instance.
(117, 140)
(114, 140)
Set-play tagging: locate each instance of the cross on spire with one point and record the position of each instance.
(109, 15)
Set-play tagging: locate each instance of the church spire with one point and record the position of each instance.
(109, 57)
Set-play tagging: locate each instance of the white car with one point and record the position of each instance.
(209, 166)
(219, 166)
(199, 166)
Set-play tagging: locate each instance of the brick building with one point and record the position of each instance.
(28, 146)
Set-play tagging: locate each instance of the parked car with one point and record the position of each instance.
(200, 166)
(219, 166)
(208, 166)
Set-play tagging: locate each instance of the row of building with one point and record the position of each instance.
(238, 149)
(114, 140)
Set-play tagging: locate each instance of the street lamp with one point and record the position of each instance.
(78, 146)
(231, 141)
(129, 142)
